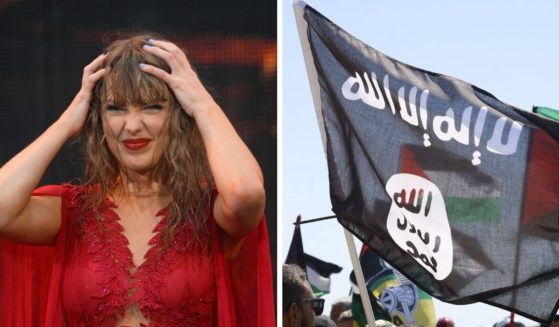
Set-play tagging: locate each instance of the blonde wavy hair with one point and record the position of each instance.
(183, 168)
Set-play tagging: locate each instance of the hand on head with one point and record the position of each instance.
(76, 113)
(184, 82)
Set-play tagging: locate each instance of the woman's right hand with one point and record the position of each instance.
(75, 115)
(36, 219)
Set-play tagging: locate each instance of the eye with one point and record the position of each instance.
(154, 107)
(113, 108)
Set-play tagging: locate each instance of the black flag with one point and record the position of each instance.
(454, 188)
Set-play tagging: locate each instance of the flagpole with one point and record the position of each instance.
(360, 279)
(300, 222)
(298, 8)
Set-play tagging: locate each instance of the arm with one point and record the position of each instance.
(238, 178)
(36, 219)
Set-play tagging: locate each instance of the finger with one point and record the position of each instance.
(89, 81)
(94, 65)
(165, 45)
(157, 72)
(93, 78)
(173, 59)
(174, 49)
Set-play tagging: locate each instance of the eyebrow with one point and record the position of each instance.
(159, 100)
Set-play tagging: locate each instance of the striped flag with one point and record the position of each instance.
(318, 271)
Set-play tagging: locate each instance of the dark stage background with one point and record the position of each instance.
(46, 44)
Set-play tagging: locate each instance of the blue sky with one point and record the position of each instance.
(508, 48)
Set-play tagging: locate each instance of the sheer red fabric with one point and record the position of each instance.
(96, 281)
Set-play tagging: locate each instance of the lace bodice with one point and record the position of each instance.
(174, 286)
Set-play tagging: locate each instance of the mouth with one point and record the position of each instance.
(136, 144)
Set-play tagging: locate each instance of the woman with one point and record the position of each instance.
(170, 215)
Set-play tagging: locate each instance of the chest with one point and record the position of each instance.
(138, 228)
(124, 265)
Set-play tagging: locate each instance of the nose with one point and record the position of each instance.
(134, 120)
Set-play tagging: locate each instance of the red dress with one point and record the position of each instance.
(93, 279)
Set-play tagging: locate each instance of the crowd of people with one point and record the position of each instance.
(299, 309)
(302, 309)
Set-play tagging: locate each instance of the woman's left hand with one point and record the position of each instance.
(184, 82)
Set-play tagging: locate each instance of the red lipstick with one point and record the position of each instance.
(136, 144)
